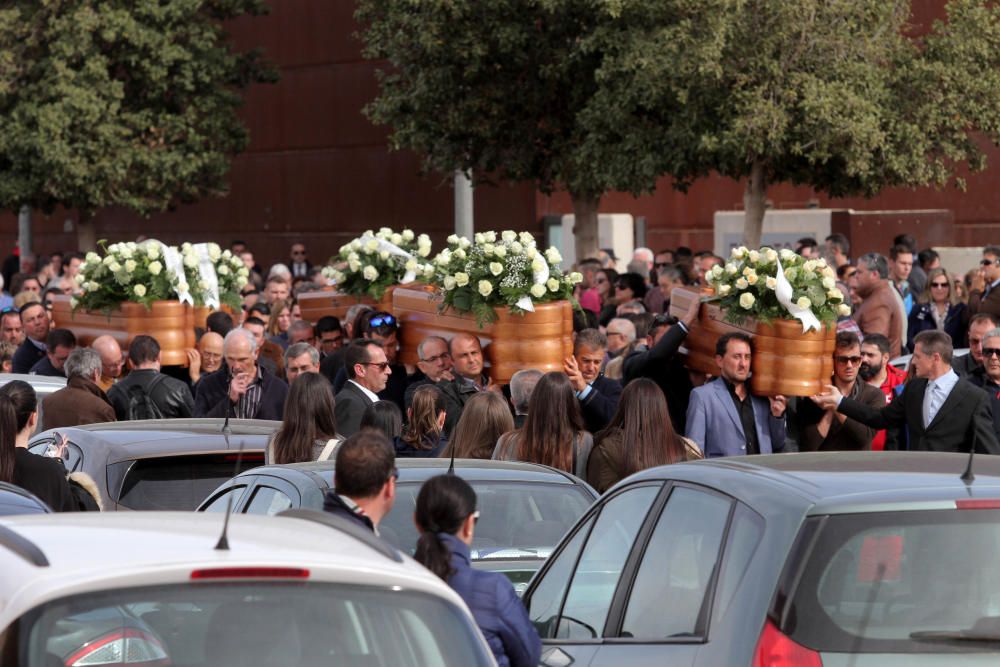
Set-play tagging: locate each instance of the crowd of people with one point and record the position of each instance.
(623, 401)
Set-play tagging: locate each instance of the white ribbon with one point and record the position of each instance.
(174, 264)
(783, 290)
(524, 303)
(392, 249)
(538, 278)
(206, 269)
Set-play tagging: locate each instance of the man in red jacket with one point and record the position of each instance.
(878, 372)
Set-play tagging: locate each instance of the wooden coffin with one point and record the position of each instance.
(171, 323)
(540, 340)
(785, 360)
(321, 303)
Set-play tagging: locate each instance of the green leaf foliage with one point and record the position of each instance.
(116, 102)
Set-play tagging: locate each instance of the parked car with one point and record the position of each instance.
(15, 500)
(154, 589)
(525, 508)
(160, 464)
(903, 363)
(42, 384)
(824, 559)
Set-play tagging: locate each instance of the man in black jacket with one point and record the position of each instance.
(661, 364)
(146, 393)
(367, 372)
(942, 412)
(598, 395)
(364, 480)
(469, 379)
(242, 389)
(58, 345)
(35, 322)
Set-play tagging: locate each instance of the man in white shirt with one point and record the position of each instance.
(367, 373)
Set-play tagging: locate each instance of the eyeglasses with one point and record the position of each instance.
(990, 351)
(661, 265)
(382, 320)
(844, 359)
(436, 358)
(939, 284)
(298, 252)
(9, 309)
(381, 365)
(987, 262)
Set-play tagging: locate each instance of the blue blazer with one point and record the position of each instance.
(714, 424)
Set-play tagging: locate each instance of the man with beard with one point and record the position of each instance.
(829, 430)
(878, 372)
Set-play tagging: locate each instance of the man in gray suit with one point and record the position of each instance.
(723, 418)
(367, 373)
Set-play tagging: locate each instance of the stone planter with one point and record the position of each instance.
(539, 340)
(171, 323)
(785, 360)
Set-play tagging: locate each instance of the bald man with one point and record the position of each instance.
(207, 358)
(467, 357)
(112, 360)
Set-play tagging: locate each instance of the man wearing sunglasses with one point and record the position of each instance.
(989, 379)
(988, 300)
(382, 328)
(368, 372)
(828, 430)
(299, 261)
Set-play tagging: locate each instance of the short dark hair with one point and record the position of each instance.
(806, 242)
(723, 342)
(682, 251)
(143, 349)
(992, 250)
(327, 323)
(633, 281)
(60, 338)
(878, 340)
(590, 338)
(935, 342)
(219, 322)
(847, 340)
(31, 304)
(907, 240)
(357, 353)
(365, 462)
(899, 249)
(840, 241)
(254, 320)
(260, 307)
(927, 256)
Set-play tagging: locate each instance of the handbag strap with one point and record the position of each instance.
(331, 444)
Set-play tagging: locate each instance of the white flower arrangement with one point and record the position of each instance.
(373, 262)
(750, 286)
(495, 270)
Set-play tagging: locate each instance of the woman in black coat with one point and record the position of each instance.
(938, 308)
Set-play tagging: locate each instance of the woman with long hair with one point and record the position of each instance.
(605, 281)
(279, 321)
(308, 431)
(384, 417)
(938, 307)
(484, 419)
(639, 436)
(553, 434)
(45, 477)
(446, 517)
(424, 434)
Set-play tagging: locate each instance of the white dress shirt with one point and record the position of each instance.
(937, 393)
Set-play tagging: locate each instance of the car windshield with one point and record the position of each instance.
(901, 582)
(518, 520)
(248, 624)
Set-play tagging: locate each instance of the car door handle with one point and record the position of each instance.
(555, 657)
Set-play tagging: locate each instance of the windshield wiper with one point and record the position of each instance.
(986, 629)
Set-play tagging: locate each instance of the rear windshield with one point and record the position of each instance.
(176, 482)
(517, 520)
(246, 624)
(902, 582)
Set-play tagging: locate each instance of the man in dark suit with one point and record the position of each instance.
(35, 322)
(988, 300)
(942, 412)
(58, 345)
(299, 263)
(972, 363)
(598, 395)
(364, 480)
(367, 374)
(469, 379)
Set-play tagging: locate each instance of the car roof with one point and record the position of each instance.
(136, 439)
(420, 470)
(126, 549)
(841, 481)
(43, 384)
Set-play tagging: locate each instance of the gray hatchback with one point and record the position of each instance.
(812, 560)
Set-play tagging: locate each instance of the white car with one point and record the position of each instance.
(153, 590)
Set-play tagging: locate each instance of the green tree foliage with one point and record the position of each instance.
(839, 95)
(120, 102)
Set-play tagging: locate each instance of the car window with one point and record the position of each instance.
(546, 599)
(269, 501)
(176, 482)
(745, 534)
(900, 582)
(250, 623)
(673, 579)
(221, 502)
(601, 563)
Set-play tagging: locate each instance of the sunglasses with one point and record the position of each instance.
(987, 262)
(381, 365)
(991, 351)
(9, 309)
(844, 359)
(939, 284)
(298, 252)
(382, 320)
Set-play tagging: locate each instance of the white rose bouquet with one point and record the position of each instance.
(749, 286)
(500, 270)
(373, 262)
(135, 272)
(230, 274)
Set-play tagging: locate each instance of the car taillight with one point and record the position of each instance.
(774, 649)
(122, 647)
(251, 573)
(978, 504)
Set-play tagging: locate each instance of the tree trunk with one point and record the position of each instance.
(86, 233)
(585, 225)
(754, 200)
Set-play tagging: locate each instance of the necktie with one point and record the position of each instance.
(933, 403)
